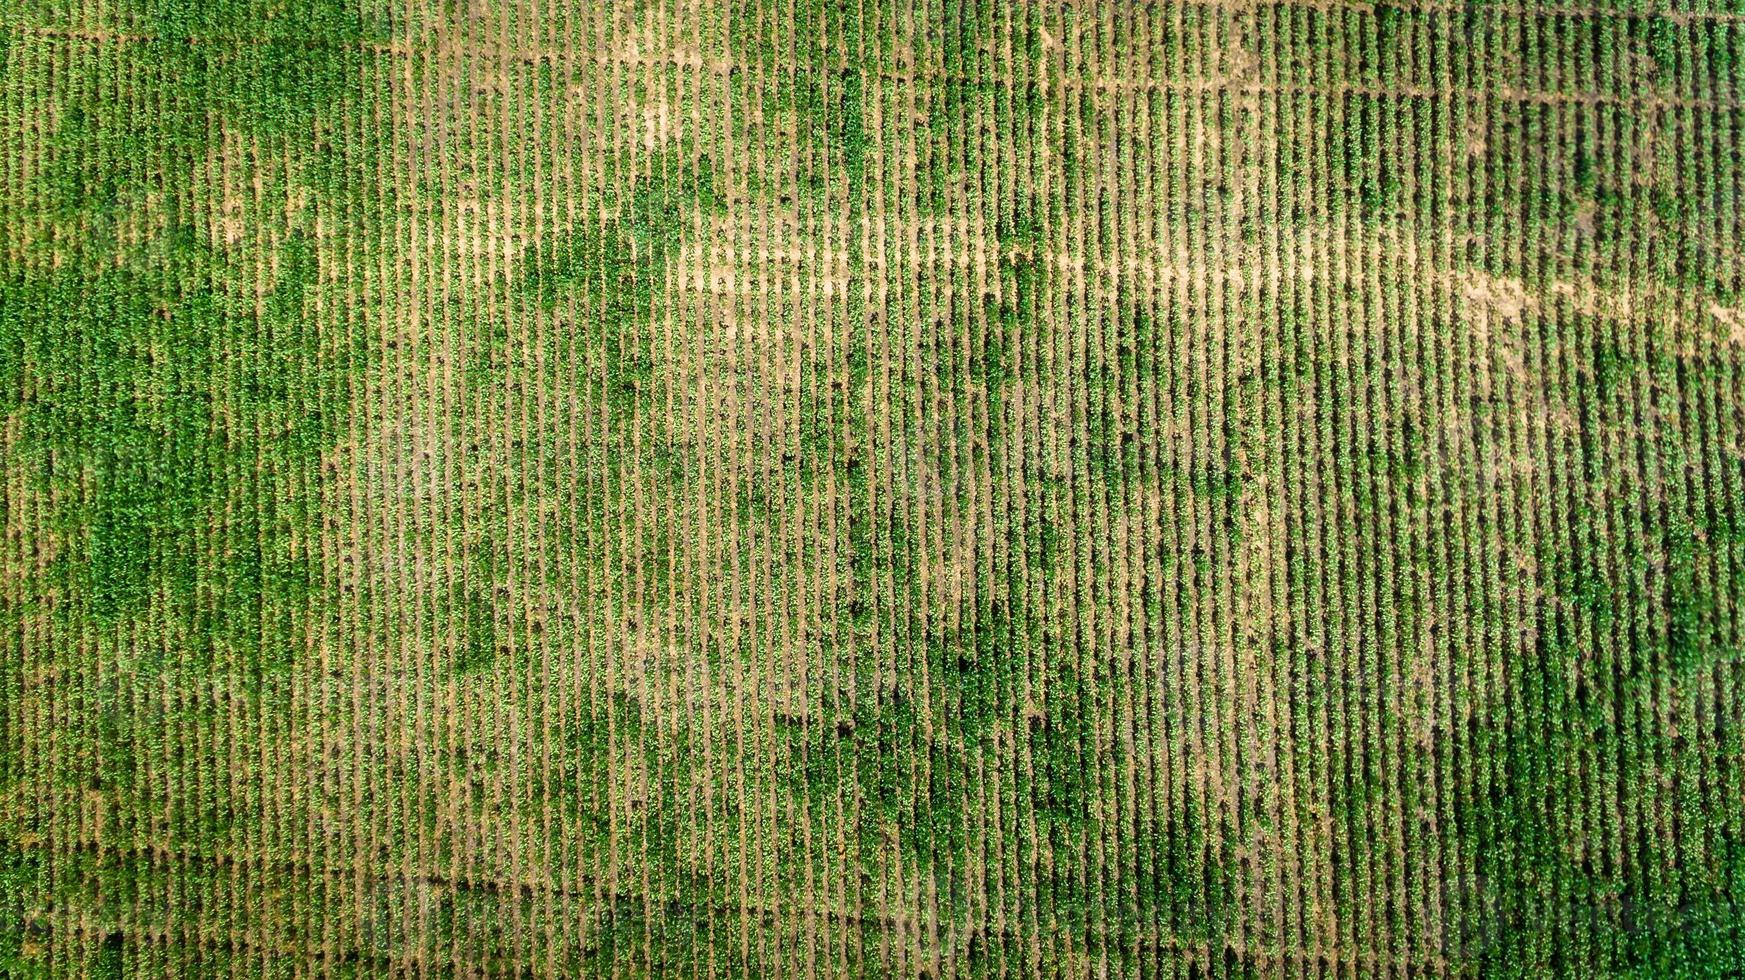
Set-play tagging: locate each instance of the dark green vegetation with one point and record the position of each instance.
(955, 488)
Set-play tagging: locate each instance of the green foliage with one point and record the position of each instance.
(1169, 489)
(616, 269)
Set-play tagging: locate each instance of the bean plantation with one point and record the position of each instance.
(872, 488)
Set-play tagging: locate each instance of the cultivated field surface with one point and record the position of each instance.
(872, 488)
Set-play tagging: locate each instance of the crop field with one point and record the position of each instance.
(872, 488)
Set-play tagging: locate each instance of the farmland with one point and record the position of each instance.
(812, 488)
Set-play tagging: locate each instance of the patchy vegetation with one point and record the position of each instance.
(981, 488)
